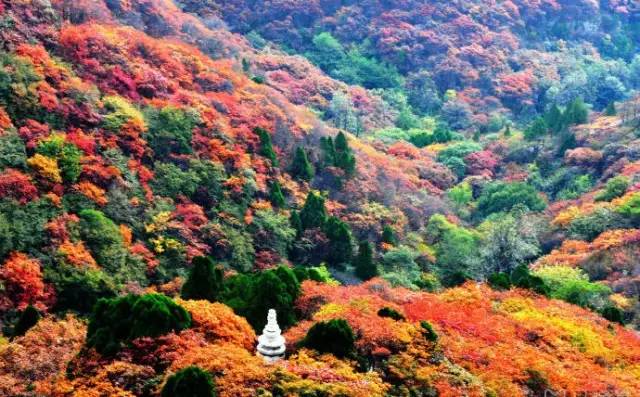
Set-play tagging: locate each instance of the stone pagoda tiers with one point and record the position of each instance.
(271, 345)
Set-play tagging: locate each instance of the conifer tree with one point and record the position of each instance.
(537, 129)
(275, 195)
(576, 113)
(388, 235)
(554, 119)
(365, 267)
(340, 242)
(611, 109)
(266, 147)
(296, 222)
(205, 281)
(328, 151)
(507, 131)
(344, 157)
(313, 214)
(301, 168)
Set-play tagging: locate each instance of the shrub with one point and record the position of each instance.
(428, 331)
(499, 197)
(613, 314)
(499, 281)
(121, 320)
(189, 382)
(28, 318)
(103, 238)
(205, 281)
(521, 277)
(572, 285)
(391, 313)
(171, 130)
(333, 336)
(615, 187)
(79, 290)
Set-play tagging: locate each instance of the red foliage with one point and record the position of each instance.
(18, 186)
(23, 284)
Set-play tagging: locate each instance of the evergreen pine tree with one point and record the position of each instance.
(266, 147)
(611, 109)
(205, 281)
(313, 214)
(365, 267)
(275, 195)
(554, 119)
(301, 168)
(537, 129)
(576, 113)
(340, 242)
(296, 223)
(388, 235)
(328, 151)
(507, 131)
(29, 317)
(344, 157)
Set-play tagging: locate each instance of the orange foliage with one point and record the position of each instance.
(23, 285)
(219, 324)
(93, 193)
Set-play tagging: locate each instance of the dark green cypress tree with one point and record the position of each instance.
(266, 147)
(205, 281)
(344, 157)
(296, 223)
(301, 168)
(388, 235)
(275, 195)
(611, 109)
(576, 113)
(28, 318)
(365, 267)
(537, 129)
(340, 250)
(554, 119)
(567, 141)
(314, 213)
(328, 151)
(507, 131)
(189, 382)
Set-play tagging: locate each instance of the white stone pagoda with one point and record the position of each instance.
(271, 344)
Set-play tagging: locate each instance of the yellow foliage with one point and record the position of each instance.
(46, 167)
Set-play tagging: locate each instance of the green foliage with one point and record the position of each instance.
(301, 168)
(428, 331)
(28, 319)
(170, 130)
(333, 336)
(275, 195)
(389, 235)
(461, 194)
(344, 158)
(314, 213)
(615, 187)
(296, 223)
(631, 209)
(611, 109)
(78, 290)
(320, 274)
(576, 187)
(453, 156)
(573, 285)
(613, 314)
(537, 129)
(205, 281)
(521, 277)
(537, 382)
(576, 113)
(272, 231)
(66, 154)
(103, 239)
(252, 295)
(457, 250)
(589, 226)
(502, 197)
(189, 382)
(119, 112)
(340, 249)
(554, 119)
(406, 120)
(391, 313)
(171, 181)
(13, 153)
(17, 88)
(120, 320)
(22, 227)
(266, 147)
(499, 281)
(365, 266)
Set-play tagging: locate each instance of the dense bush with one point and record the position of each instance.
(428, 331)
(189, 382)
(500, 197)
(28, 319)
(391, 313)
(364, 263)
(117, 321)
(333, 336)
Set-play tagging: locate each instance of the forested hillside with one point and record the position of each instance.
(438, 198)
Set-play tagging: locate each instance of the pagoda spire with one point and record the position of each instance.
(271, 344)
